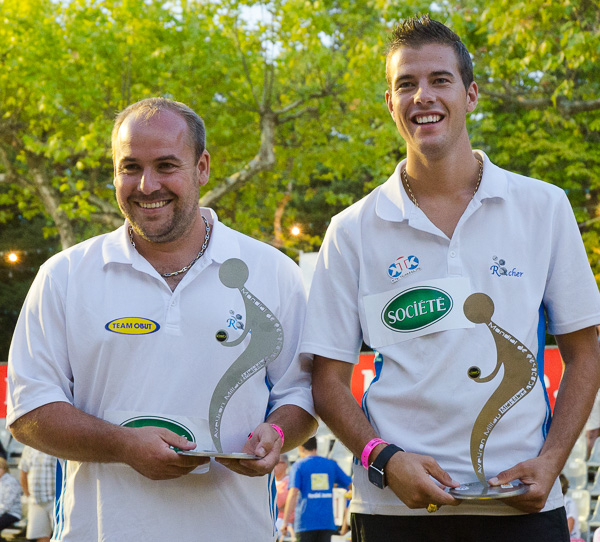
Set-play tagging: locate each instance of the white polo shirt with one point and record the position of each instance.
(100, 329)
(387, 275)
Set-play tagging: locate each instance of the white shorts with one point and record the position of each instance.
(39, 520)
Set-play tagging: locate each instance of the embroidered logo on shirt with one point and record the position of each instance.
(501, 269)
(132, 326)
(416, 308)
(402, 267)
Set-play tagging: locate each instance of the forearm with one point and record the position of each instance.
(24, 483)
(336, 405)
(409, 475)
(575, 397)
(290, 504)
(297, 425)
(61, 430)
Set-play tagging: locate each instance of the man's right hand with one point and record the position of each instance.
(409, 476)
(149, 450)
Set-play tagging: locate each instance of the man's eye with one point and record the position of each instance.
(128, 168)
(441, 80)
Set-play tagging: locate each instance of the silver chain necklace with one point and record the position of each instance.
(412, 196)
(189, 265)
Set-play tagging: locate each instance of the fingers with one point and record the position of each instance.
(177, 441)
(413, 477)
(252, 467)
(152, 453)
(265, 443)
(439, 474)
(538, 479)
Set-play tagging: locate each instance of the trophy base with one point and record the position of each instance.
(477, 490)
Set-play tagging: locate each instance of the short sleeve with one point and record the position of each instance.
(571, 296)
(332, 328)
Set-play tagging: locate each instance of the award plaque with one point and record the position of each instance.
(479, 491)
(266, 343)
(519, 378)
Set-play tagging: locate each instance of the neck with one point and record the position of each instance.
(174, 255)
(448, 176)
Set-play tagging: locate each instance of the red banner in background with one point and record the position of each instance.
(3, 368)
(364, 372)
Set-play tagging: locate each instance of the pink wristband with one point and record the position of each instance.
(280, 431)
(364, 457)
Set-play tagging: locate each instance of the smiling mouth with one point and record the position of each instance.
(427, 119)
(153, 205)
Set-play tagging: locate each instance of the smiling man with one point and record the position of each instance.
(124, 356)
(452, 270)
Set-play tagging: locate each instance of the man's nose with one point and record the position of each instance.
(148, 182)
(424, 94)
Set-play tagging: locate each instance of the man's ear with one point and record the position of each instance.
(203, 167)
(472, 97)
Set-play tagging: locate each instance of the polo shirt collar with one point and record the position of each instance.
(224, 243)
(394, 204)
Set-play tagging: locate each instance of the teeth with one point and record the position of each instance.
(154, 205)
(428, 119)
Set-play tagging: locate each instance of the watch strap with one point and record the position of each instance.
(376, 469)
(385, 455)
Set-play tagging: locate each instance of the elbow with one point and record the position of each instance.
(18, 431)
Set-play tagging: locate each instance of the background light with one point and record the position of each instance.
(13, 258)
(295, 230)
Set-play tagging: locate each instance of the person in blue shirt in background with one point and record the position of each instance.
(312, 479)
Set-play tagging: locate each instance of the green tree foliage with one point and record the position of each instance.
(537, 63)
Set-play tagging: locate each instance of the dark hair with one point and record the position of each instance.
(151, 106)
(421, 30)
(310, 444)
(564, 483)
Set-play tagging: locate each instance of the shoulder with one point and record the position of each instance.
(521, 186)
(352, 216)
(267, 262)
(69, 258)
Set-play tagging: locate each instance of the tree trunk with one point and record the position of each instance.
(51, 201)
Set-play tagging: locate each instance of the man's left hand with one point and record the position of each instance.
(266, 443)
(534, 473)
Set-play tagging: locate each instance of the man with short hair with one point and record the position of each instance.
(38, 480)
(450, 270)
(312, 480)
(172, 332)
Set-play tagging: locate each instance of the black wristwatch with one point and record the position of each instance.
(376, 469)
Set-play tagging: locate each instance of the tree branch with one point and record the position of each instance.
(563, 105)
(263, 161)
(106, 208)
(50, 200)
(297, 114)
(246, 70)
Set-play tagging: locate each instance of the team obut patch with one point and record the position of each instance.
(416, 308)
(132, 326)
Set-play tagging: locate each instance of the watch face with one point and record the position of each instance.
(376, 477)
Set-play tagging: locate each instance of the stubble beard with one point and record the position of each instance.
(179, 225)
